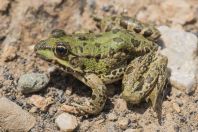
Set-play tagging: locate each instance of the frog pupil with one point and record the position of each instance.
(61, 50)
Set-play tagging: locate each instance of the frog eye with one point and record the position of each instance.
(58, 33)
(61, 49)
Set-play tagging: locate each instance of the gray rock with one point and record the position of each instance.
(32, 82)
(13, 118)
(181, 49)
(66, 122)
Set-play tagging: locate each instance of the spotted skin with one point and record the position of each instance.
(113, 22)
(106, 57)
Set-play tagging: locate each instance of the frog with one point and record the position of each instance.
(99, 59)
(108, 23)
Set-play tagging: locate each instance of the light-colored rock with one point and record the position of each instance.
(32, 82)
(112, 117)
(66, 122)
(123, 123)
(181, 49)
(13, 118)
(40, 102)
(120, 105)
(134, 130)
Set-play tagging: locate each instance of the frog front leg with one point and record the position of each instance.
(145, 78)
(98, 97)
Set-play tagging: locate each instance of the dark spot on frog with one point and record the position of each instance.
(129, 70)
(81, 49)
(82, 37)
(137, 29)
(97, 45)
(124, 24)
(109, 27)
(83, 67)
(135, 42)
(118, 40)
(98, 57)
(84, 44)
(121, 70)
(111, 51)
(98, 35)
(114, 31)
(93, 97)
(148, 33)
(114, 72)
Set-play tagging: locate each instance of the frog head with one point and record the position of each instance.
(57, 48)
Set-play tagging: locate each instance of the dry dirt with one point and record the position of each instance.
(23, 23)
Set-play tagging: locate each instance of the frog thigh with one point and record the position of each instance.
(142, 76)
(98, 97)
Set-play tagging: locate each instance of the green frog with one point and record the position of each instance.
(97, 59)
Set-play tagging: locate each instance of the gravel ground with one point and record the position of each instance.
(23, 23)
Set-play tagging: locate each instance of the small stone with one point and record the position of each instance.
(176, 107)
(120, 105)
(41, 102)
(181, 49)
(14, 118)
(112, 117)
(32, 82)
(123, 123)
(134, 130)
(66, 122)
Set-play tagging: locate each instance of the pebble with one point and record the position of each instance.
(112, 117)
(134, 130)
(120, 105)
(14, 118)
(181, 48)
(32, 82)
(66, 122)
(123, 123)
(40, 102)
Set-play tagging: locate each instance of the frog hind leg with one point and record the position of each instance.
(145, 78)
(98, 98)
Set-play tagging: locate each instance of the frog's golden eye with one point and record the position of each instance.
(61, 49)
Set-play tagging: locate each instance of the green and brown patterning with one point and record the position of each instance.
(98, 59)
